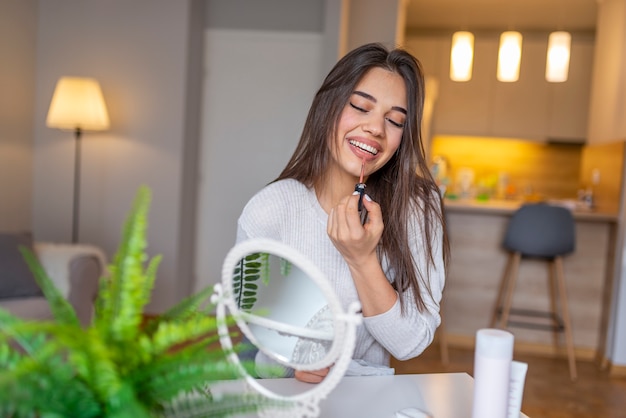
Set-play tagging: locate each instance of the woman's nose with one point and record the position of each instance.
(375, 126)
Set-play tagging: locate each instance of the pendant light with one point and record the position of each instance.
(461, 56)
(509, 56)
(557, 61)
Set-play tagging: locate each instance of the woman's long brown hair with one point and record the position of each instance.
(401, 186)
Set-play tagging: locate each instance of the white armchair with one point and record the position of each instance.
(74, 268)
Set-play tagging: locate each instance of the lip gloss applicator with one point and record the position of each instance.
(360, 188)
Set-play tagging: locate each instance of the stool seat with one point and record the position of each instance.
(545, 232)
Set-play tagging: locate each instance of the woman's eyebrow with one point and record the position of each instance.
(373, 99)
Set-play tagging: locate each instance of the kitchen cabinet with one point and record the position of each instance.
(530, 108)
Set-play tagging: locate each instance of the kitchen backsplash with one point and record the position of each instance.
(605, 162)
(508, 168)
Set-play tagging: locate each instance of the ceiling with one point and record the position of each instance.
(572, 15)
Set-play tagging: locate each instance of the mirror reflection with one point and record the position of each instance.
(282, 311)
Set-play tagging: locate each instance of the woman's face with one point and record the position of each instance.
(371, 124)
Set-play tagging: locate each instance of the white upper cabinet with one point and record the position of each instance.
(530, 108)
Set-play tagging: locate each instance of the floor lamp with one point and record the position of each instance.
(78, 105)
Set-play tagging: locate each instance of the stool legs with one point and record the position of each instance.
(567, 324)
(504, 301)
(509, 284)
(504, 284)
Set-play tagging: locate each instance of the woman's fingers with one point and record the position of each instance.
(374, 215)
(315, 376)
(343, 221)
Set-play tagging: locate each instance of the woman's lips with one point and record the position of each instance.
(363, 149)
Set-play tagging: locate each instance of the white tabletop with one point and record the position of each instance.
(443, 395)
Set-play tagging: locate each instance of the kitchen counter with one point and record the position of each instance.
(476, 229)
(507, 207)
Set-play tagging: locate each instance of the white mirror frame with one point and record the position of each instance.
(305, 404)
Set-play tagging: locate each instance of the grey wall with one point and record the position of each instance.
(272, 15)
(262, 65)
(139, 51)
(18, 32)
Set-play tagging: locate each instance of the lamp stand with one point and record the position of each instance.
(76, 214)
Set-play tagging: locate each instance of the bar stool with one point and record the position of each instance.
(539, 231)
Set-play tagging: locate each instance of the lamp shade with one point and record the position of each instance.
(77, 103)
(557, 62)
(461, 56)
(509, 56)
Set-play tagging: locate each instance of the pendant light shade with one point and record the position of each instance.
(461, 56)
(509, 56)
(557, 62)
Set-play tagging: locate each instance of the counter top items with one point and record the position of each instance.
(498, 380)
(538, 231)
(440, 395)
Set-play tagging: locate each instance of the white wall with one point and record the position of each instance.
(257, 92)
(18, 31)
(375, 21)
(139, 52)
(607, 121)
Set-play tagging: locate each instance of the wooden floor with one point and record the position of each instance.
(548, 393)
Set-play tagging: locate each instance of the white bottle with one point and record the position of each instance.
(492, 371)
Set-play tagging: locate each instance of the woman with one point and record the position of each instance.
(364, 127)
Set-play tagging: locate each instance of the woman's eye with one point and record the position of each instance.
(360, 109)
(396, 124)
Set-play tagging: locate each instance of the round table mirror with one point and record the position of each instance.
(286, 308)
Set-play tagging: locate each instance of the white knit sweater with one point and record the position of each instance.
(289, 212)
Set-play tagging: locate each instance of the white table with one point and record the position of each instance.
(443, 395)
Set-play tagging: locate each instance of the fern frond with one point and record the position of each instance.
(61, 309)
(91, 359)
(285, 267)
(125, 404)
(265, 270)
(176, 377)
(249, 272)
(171, 334)
(127, 291)
(45, 388)
(185, 309)
(29, 337)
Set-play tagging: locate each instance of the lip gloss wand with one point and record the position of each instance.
(360, 188)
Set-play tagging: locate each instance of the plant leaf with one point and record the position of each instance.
(61, 309)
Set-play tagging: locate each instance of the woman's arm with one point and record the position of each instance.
(404, 334)
(357, 244)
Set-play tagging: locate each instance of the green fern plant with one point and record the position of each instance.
(120, 365)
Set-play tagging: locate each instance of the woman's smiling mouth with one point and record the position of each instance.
(364, 147)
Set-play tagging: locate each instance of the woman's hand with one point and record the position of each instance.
(354, 241)
(315, 376)
(357, 244)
